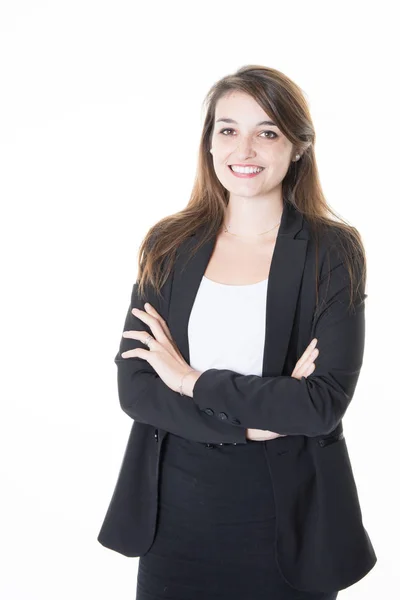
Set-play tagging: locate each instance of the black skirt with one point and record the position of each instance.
(215, 531)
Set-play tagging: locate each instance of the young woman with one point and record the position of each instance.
(240, 353)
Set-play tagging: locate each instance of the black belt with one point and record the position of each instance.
(221, 444)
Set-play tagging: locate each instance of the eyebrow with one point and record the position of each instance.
(227, 120)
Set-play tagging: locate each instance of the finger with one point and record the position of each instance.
(301, 369)
(156, 325)
(142, 337)
(308, 351)
(309, 363)
(153, 322)
(307, 354)
(137, 353)
(309, 370)
(151, 310)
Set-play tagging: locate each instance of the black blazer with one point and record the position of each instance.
(322, 545)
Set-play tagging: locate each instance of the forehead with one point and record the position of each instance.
(240, 107)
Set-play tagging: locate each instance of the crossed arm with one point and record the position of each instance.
(310, 406)
(145, 397)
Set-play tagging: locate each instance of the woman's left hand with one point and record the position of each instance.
(163, 354)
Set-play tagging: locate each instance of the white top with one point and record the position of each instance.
(226, 327)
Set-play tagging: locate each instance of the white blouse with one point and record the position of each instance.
(216, 340)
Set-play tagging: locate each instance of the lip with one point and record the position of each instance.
(245, 165)
(245, 175)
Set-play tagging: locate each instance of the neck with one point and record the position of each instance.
(249, 217)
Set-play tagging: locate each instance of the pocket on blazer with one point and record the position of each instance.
(330, 439)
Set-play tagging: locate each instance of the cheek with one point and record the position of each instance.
(279, 159)
(221, 145)
(277, 171)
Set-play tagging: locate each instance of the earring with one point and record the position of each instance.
(297, 156)
(211, 150)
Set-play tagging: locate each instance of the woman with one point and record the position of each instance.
(236, 482)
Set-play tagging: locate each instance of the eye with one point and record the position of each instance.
(273, 132)
(223, 131)
(267, 131)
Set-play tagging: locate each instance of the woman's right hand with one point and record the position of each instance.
(304, 367)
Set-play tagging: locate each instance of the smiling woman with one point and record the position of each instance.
(236, 482)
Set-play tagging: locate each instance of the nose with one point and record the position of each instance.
(245, 147)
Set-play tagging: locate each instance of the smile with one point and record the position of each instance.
(246, 172)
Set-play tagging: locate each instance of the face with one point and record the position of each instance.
(239, 138)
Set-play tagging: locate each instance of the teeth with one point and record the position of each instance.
(246, 169)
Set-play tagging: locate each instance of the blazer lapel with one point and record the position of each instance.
(282, 291)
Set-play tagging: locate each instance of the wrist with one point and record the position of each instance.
(188, 381)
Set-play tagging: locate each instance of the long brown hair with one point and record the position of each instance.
(285, 103)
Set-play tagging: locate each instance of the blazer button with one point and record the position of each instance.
(156, 435)
(223, 416)
(236, 421)
(209, 411)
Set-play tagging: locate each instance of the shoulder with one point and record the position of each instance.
(335, 244)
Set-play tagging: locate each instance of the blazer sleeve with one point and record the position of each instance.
(145, 397)
(315, 404)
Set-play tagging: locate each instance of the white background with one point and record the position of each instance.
(100, 116)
